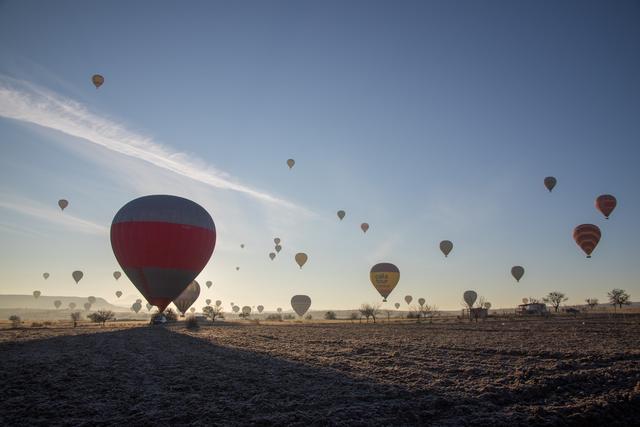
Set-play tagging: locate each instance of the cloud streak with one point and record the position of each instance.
(23, 101)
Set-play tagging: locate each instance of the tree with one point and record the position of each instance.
(591, 302)
(369, 310)
(330, 315)
(102, 316)
(213, 312)
(75, 317)
(555, 298)
(618, 297)
(15, 321)
(354, 316)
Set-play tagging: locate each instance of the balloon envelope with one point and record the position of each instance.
(408, 299)
(187, 297)
(87, 306)
(246, 310)
(57, 303)
(136, 307)
(77, 275)
(587, 237)
(278, 248)
(118, 294)
(36, 294)
(97, 80)
(242, 245)
(117, 274)
(300, 304)
(272, 255)
(91, 300)
(63, 203)
(208, 301)
(517, 272)
(162, 243)
(45, 275)
(260, 308)
(301, 258)
(606, 203)
(209, 283)
(364, 227)
(276, 240)
(384, 277)
(550, 182)
(470, 297)
(149, 307)
(397, 305)
(218, 303)
(236, 308)
(290, 163)
(446, 246)
(525, 300)
(421, 301)
(72, 305)
(341, 215)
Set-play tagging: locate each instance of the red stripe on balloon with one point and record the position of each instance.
(162, 245)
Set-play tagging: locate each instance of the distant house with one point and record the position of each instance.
(535, 308)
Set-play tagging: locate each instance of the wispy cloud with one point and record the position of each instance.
(50, 214)
(23, 101)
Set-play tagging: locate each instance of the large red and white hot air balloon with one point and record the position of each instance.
(162, 243)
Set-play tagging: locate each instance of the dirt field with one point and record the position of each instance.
(554, 372)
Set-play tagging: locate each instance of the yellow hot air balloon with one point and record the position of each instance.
(97, 80)
(301, 258)
(384, 277)
(290, 163)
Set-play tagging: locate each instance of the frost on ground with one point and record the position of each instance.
(554, 372)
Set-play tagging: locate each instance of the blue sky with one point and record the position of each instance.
(428, 120)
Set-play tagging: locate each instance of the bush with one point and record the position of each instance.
(413, 315)
(275, 317)
(102, 316)
(192, 322)
(308, 317)
(330, 315)
(47, 323)
(36, 325)
(289, 317)
(170, 315)
(15, 321)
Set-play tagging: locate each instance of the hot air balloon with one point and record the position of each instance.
(301, 259)
(77, 275)
(45, 275)
(149, 307)
(57, 303)
(525, 300)
(550, 182)
(278, 248)
(272, 255)
(421, 301)
(192, 310)
(341, 215)
(246, 310)
(208, 301)
(36, 294)
(136, 307)
(384, 277)
(300, 304)
(470, 298)
(116, 275)
(91, 300)
(218, 303)
(118, 294)
(87, 306)
(517, 272)
(276, 240)
(290, 163)
(236, 308)
(97, 80)
(237, 268)
(72, 305)
(209, 283)
(260, 308)
(279, 310)
(487, 305)
(162, 243)
(242, 245)
(187, 297)
(63, 203)
(364, 227)
(587, 237)
(408, 299)
(606, 203)
(397, 305)
(139, 301)
(446, 246)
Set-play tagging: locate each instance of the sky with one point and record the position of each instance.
(429, 120)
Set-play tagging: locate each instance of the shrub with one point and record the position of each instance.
(308, 317)
(102, 316)
(275, 317)
(192, 322)
(36, 325)
(330, 315)
(289, 316)
(15, 321)
(48, 323)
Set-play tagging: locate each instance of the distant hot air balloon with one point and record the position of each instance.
(242, 245)
(276, 240)
(149, 307)
(162, 243)
(139, 301)
(606, 203)
(246, 310)
(408, 299)
(36, 294)
(87, 306)
(236, 308)
(384, 277)
(550, 182)
(136, 307)
(517, 272)
(63, 203)
(77, 275)
(397, 305)
(187, 297)
(72, 305)
(118, 294)
(237, 268)
(301, 258)
(91, 300)
(192, 309)
(97, 80)
(116, 275)
(341, 214)
(208, 301)
(470, 298)
(57, 303)
(209, 283)
(587, 237)
(218, 303)
(525, 300)
(487, 305)
(279, 310)
(272, 255)
(45, 275)
(260, 308)
(446, 246)
(300, 304)
(364, 227)
(278, 248)
(290, 163)
(421, 301)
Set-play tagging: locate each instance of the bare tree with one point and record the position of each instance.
(555, 298)
(75, 318)
(354, 316)
(618, 297)
(592, 302)
(369, 310)
(330, 315)
(213, 312)
(102, 316)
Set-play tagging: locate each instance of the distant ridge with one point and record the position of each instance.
(45, 302)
